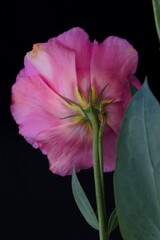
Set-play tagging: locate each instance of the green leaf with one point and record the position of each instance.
(112, 222)
(132, 89)
(156, 11)
(83, 203)
(137, 174)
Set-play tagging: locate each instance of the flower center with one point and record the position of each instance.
(83, 109)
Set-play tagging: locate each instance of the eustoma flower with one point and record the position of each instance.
(60, 81)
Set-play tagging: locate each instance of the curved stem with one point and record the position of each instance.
(156, 12)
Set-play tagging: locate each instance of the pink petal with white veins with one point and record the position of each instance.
(67, 146)
(56, 65)
(112, 62)
(78, 40)
(35, 107)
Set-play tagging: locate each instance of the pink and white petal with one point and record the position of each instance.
(67, 146)
(112, 62)
(115, 112)
(109, 149)
(78, 40)
(35, 107)
(29, 69)
(56, 65)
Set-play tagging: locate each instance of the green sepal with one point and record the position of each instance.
(99, 98)
(83, 202)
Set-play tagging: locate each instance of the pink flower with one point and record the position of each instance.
(60, 73)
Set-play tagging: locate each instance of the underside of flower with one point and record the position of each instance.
(64, 83)
(83, 109)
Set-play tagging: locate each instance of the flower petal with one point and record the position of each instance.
(56, 65)
(115, 112)
(134, 81)
(112, 62)
(109, 149)
(67, 146)
(35, 107)
(78, 40)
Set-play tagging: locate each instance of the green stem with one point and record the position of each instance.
(100, 150)
(97, 167)
(100, 154)
(156, 12)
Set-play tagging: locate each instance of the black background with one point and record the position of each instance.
(35, 203)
